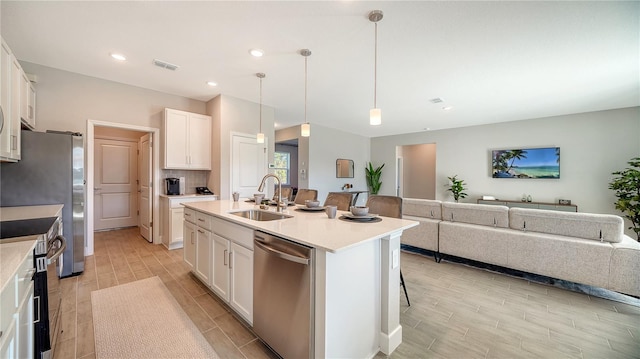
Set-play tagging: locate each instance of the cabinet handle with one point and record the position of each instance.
(225, 257)
(200, 219)
(187, 214)
(37, 306)
(230, 257)
(200, 231)
(14, 142)
(192, 237)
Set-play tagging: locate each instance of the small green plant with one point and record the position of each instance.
(373, 178)
(627, 187)
(457, 187)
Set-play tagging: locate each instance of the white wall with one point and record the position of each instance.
(325, 146)
(592, 145)
(66, 100)
(233, 115)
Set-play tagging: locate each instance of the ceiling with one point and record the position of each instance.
(491, 61)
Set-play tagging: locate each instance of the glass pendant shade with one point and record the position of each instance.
(260, 138)
(305, 130)
(375, 117)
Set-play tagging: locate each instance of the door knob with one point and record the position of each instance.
(96, 188)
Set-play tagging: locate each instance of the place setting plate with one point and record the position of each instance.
(311, 209)
(350, 217)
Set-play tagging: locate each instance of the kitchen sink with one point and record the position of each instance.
(258, 215)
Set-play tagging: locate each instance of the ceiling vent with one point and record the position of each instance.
(165, 65)
(436, 100)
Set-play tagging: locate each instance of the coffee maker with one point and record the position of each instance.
(173, 186)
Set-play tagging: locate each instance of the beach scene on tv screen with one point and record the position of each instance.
(526, 163)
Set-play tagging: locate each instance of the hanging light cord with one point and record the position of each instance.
(261, 105)
(305, 89)
(375, 68)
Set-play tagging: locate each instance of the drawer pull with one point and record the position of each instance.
(224, 255)
(200, 231)
(188, 214)
(200, 219)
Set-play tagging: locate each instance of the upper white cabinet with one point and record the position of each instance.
(27, 102)
(17, 99)
(187, 140)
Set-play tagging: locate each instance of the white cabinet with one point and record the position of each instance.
(187, 140)
(228, 251)
(171, 217)
(203, 255)
(10, 79)
(241, 268)
(16, 311)
(27, 101)
(189, 252)
(220, 282)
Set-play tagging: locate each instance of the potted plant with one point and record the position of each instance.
(457, 187)
(627, 187)
(373, 178)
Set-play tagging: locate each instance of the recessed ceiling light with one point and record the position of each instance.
(119, 57)
(447, 108)
(212, 84)
(256, 52)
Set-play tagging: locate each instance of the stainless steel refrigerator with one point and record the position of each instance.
(51, 171)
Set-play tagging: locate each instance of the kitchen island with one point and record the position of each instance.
(356, 286)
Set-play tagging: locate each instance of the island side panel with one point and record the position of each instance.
(391, 330)
(348, 298)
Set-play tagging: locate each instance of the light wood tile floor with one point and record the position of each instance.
(456, 311)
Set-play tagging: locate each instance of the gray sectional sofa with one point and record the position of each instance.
(578, 247)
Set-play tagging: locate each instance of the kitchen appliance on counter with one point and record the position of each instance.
(173, 186)
(283, 300)
(51, 171)
(49, 248)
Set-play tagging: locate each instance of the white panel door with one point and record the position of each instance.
(115, 202)
(248, 165)
(144, 192)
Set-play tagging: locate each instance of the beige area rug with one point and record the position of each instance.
(141, 319)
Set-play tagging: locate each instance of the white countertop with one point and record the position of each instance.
(191, 195)
(11, 256)
(30, 212)
(314, 229)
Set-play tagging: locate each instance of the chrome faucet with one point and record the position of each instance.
(279, 205)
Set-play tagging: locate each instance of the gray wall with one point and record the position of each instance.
(325, 146)
(592, 145)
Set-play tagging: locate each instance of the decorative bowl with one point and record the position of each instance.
(311, 204)
(359, 210)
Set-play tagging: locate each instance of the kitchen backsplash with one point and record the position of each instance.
(193, 179)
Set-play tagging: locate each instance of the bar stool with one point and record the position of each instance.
(305, 194)
(342, 200)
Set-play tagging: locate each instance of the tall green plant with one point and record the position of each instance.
(457, 187)
(373, 178)
(627, 187)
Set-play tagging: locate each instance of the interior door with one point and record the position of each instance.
(115, 188)
(248, 165)
(145, 187)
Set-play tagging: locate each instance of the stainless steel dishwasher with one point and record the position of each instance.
(283, 301)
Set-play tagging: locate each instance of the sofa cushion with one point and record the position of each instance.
(601, 227)
(422, 208)
(625, 266)
(482, 214)
(424, 235)
(569, 258)
(480, 243)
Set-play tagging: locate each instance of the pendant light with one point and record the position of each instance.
(375, 114)
(260, 136)
(305, 129)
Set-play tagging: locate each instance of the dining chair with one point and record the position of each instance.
(388, 206)
(305, 194)
(342, 200)
(286, 193)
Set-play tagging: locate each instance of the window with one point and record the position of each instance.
(282, 166)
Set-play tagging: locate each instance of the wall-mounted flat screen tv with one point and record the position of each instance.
(526, 163)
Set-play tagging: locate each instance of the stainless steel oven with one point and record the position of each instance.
(48, 252)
